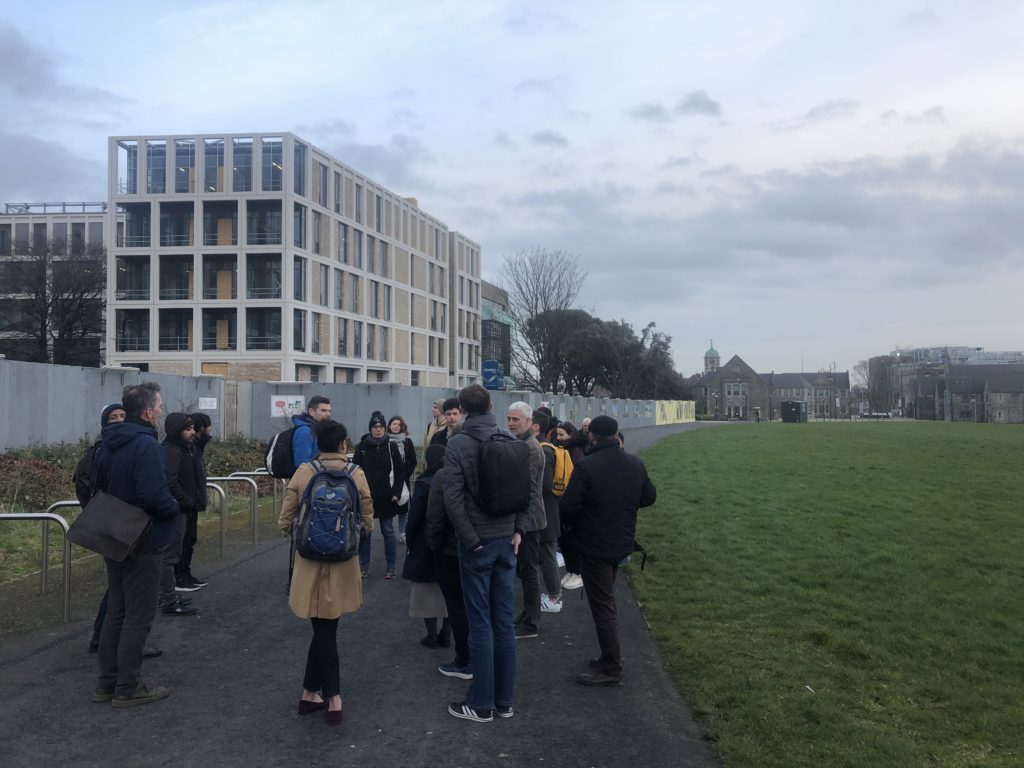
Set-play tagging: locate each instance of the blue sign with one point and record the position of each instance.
(492, 374)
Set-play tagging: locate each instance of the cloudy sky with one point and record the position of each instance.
(798, 180)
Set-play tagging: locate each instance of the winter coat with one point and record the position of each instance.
(461, 485)
(181, 466)
(324, 590)
(577, 446)
(419, 561)
(440, 534)
(408, 451)
(129, 465)
(551, 502)
(83, 474)
(377, 461)
(599, 506)
(304, 445)
(435, 426)
(537, 519)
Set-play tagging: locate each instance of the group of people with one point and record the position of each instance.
(461, 559)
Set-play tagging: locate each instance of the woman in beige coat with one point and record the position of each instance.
(319, 591)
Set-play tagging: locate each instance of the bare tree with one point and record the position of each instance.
(540, 284)
(55, 300)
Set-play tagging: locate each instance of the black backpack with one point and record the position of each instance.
(281, 455)
(503, 477)
(328, 525)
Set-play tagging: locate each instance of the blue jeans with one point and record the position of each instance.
(487, 579)
(387, 529)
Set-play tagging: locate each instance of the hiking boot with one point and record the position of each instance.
(461, 671)
(462, 710)
(103, 695)
(549, 604)
(598, 678)
(572, 581)
(178, 609)
(143, 694)
(503, 711)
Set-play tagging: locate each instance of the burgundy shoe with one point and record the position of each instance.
(333, 717)
(307, 707)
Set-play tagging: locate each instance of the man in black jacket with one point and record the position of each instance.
(184, 579)
(182, 473)
(607, 487)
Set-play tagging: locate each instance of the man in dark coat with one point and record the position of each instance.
(183, 480)
(600, 505)
(452, 415)
(130, 467)
(184, 579)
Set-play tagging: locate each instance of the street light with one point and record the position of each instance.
(716, 406)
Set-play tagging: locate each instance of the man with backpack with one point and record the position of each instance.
(600, 506)
(487, 498)
(297, 444)
(520, 424)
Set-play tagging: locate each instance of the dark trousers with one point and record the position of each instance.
(101, 614)
(188, 544)
(599, 583)
(322, 671)
(528, 570)
(168, 563)
(131, 605)
(447, 567)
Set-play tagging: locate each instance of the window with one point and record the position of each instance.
(185, 165)
(299, 226)
(273, 165)
(371, 255)
(374, 290)
(383, 343)
(220, 277)
(299, 330)
(437, 243)
(371, 336)
(176, 224)
(354, 304)
(132, 330)
(263, 278)
(263, 224)
(263, 328)
(387, 302)
(316, 231)
(357, 250)
(339, 289)
(220, 329)
(300, 169)
(96, 233)
(359, 203)
(342, 245)
(430, 275)
(133, 278)
(127, 168)
(176, 278)
(213, 176)
(299, 278)
(325, 285)
(430, 350)
(357, 339)
(175, 330)
(220, 222)
(337, 192)
(156, 167)
(385, 267)
(433, 315)
(462, 290)
(414, 378)
(378, 217)
(342, 337)
(317, 319)
(444, 318)
(241, 165)
(322, 176)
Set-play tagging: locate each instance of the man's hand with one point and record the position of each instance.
(516, 541)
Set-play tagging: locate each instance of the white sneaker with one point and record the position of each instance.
(559, 559)
(574, 581)
(547, 605)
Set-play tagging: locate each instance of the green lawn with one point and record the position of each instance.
(843, 594)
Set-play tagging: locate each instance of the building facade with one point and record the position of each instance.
(36, 239)
(496, 327)
(259, 257)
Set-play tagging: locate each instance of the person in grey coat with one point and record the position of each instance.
(520, 424)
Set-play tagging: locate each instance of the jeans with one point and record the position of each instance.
(387, 530)
(599, 583)
(549, 568)
(188, 544)
(447, 567)
(101, 614)
(528, 570)
(487, 578)
(403, 516)
(168, 562)
(131, 605)
(322, 671)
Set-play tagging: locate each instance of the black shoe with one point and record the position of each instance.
(195, 579)
(184, 584)
(178, 609)
(444, 639)
(598, 678)
(430, 641)
(151, 653)
(503, 711)
(94, 646)
(525, 631)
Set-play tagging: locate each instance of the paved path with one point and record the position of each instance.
(236, 669)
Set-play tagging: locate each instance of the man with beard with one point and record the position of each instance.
(184, 579)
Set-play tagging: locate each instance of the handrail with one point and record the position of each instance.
(48, 517)
(277, 498)
(223, 514)
(254, 492)
(44, 571)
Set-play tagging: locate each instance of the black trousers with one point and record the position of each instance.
(131, 606)
(188, 544)
(599, 584)
(447, 567)
(528, 570)
(322, 671)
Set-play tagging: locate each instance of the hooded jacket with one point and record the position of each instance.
(304, 445)
(130, 466)
(181, 465)
(419, 561)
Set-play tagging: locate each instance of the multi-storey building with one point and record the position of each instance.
(496, 326)
(259, 256)
(35, 239)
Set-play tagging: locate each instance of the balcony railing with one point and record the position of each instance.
(175, 343)
(260, 292)
(263, 342)
(132, 294)
(170, 241)
(132, 343)
(210, 342)
(136, 241)
(211, 238)
(176, 293)
(265, 238)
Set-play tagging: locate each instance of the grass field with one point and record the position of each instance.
(843, 594)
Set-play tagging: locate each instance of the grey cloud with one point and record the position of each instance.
(529, 23)
(676, 161)
(327, 131)
(698, 103)
(549, 138)
(655, 113)
(835, 109)
(935, 115)
(533, 85)
(502, 140)
(921, 20)
(673, 189)
(395, 164)
(35, 170)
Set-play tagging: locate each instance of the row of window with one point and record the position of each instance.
(23, 235)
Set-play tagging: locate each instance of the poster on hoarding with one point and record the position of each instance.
(286, 405)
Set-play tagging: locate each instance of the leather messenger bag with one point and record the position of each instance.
(110, 527)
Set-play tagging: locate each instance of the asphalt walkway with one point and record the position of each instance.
(235, 671)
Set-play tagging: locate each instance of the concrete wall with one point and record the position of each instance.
(58, 403)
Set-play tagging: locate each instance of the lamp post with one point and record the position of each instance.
(716, 406)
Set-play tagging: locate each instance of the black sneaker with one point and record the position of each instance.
(501, 711)
(525, 631)
(143, 694)
(195, 579)
(184, 584)
(462, 710)
(178, 609)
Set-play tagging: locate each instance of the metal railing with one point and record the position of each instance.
(223, 514)
(45, 568)
(48, 517)
(276, 485)
(254, 492)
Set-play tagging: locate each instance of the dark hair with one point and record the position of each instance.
(545, 409)
(400, 420)
(330, 434)
(569, 427)
(434, 457)
(474, 399)
(541, 420)
(450, 404)
(201, 420)
(137, 398)
(622, 437)
(316, 400)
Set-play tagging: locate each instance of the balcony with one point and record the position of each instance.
(176, 278)
(263, 222)
(177, 223)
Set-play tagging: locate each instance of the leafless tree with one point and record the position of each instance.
(54, 300)
(540, 284)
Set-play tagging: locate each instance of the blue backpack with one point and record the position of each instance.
(328, 525)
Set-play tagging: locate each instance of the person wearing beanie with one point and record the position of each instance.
(382, 463)
(183, 478)
(599, 509)
(437, 423)
(184, 579)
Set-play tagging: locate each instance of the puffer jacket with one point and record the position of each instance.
(184, 478)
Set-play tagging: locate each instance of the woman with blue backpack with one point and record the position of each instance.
(325, 496)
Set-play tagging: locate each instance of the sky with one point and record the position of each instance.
(806, 183)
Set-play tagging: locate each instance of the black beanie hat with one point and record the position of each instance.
(604, 426)
(377, 419)
(107, 410)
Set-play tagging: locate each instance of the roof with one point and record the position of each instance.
(712, 352)
(840, 379)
